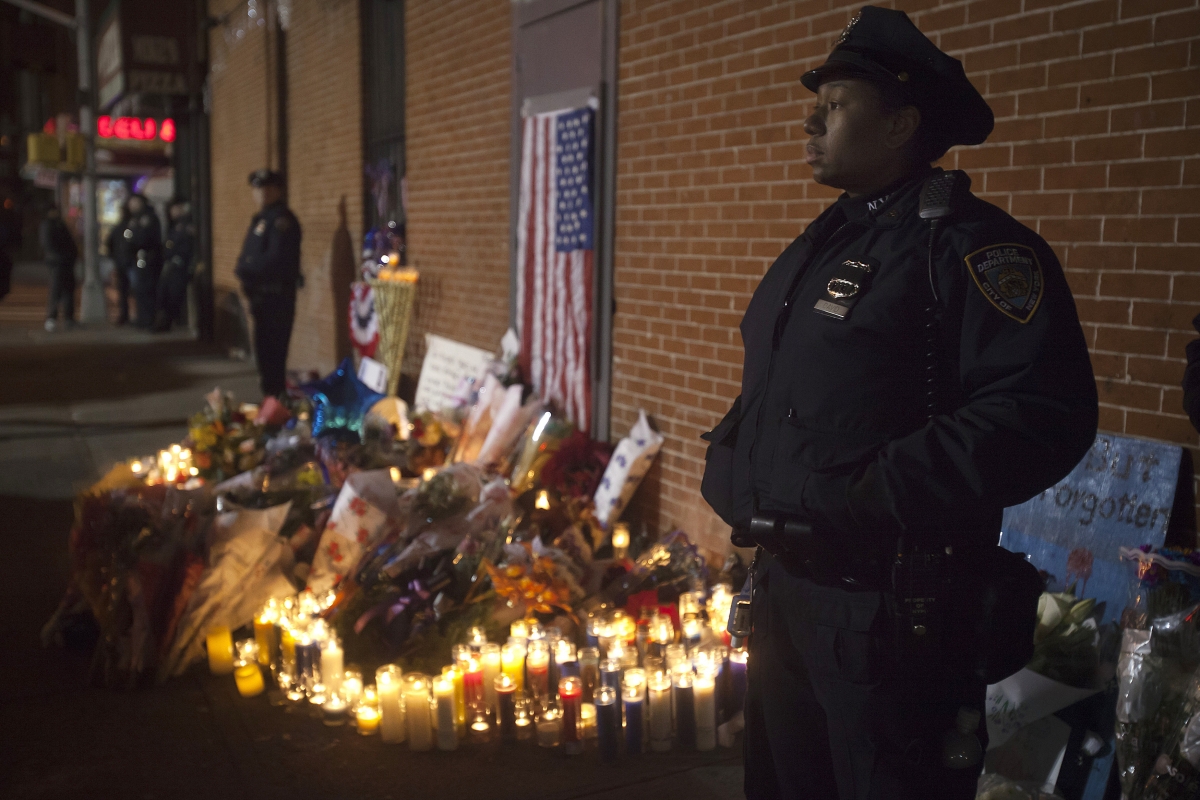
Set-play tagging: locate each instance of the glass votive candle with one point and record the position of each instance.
(608, 723)
(334, 710)
(587, 716)
(523, 720)
(352, 686)
(367, 718)
(690, 603)
(512, 662)
(549, 728)
(570, 694)
(506, 706)
(476, 637)
(519, 629)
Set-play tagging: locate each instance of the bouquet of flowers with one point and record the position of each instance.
(1160, 653)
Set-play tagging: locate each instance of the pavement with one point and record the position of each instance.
(71, 403)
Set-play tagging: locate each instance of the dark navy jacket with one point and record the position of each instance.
(270, 259)
(833, 423)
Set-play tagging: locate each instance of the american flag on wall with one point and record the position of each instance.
(555, 241)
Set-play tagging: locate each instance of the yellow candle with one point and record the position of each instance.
(287, 645)
(368, 719)
(220, 650)
(455, 675)
(248, 677)
(512, 658)
(447, 713)
(264, 634)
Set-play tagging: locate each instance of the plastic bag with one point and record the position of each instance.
(629, 464)
(359, 517)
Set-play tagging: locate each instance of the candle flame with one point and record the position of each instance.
(543, 500)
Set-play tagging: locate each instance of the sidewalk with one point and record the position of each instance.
(73, 402)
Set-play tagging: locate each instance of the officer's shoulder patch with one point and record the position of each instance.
(1010, 277)
(260, 228)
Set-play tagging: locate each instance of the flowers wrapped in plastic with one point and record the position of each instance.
(1160, 654)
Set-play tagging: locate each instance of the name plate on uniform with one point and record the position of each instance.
(1119, 495)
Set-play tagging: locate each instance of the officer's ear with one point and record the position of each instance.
(902, 127)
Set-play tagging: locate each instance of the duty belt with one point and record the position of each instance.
(822, 556)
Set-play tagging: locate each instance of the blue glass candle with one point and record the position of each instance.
(737, 680)
(634, 703)
(608, 724)
(685, 711)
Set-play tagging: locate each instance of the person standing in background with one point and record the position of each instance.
(179, 255)
(269, 269)
(60, 251)
(135, 246)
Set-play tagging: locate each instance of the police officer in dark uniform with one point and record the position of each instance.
(135, 245)
(179, 255)
(913, 365)
(269, 269)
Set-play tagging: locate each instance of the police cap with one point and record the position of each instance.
(883, 46)
(265, 177)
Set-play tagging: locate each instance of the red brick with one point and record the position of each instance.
(1160, 426)
(1129, 395)
(1162, 371)
(1171, 316)
(1145, 173)
(1182, 83)
(1145, 117)
(1127, 34)
(1139, 229)
(1077, 17)
(1101, 203)
(1132, 341)
(1152, 59)
(1109, 148)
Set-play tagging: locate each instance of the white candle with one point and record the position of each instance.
(332, 665)
(416, 703)
(490, 653)
(391, 709)
(447, 715)
(703, 689)
(660, 712)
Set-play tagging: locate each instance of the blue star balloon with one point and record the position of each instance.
(340, 402)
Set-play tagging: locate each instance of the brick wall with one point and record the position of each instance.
(238, 122)
(325, 163)
(1097, 147)
(458, 65)
(324, 130)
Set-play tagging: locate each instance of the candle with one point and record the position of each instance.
(391, 705)
(624, 628)
(416, 704)
(589, 670)
(587, 715)
(265, 634)
(248, 677)
(489, 653)
(620, 540)
(335, 709)
(689, 603)
(506, 705)
(594, 621)
(455, 676)
(476, 638)
(610, 673)
(332, 665)
(565, 659)
(691, 630)
(512, 661)
(633, 695)
(287, 647)
(368, 719)
(608, 726)
(220, 650)
(605, 635)
(536, 630)
(474, 688)
(519, 630)
(352, 686)
(307, 659)
(447, 713)
(570, 693)
(737, 679)
(549, 729)
(685, 714)
(662, 633)
(523, 720)
(537, 671)
(704, 699)
(660, 712)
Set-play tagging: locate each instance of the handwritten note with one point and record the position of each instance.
(447, 364)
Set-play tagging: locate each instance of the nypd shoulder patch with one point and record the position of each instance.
(1010, 277)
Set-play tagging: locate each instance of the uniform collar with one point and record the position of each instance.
(881, 207)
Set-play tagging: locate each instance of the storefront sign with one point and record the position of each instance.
(143, 49)
(135, 128)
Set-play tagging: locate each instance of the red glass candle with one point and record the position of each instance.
(570, 695)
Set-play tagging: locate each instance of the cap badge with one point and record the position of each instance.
(849, 27)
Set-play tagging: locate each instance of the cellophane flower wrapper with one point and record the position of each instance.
(475, 428)
(1160, 651)
(630, 462)
(248, 564)
(542, 438)
(364, 505)
(510, 423)
(673, 564)
(1176, 772)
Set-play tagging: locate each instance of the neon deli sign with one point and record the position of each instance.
(135, 128)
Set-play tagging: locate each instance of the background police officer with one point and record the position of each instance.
(269, 269)
(179, 255)
(135, 246)
(911, 368)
